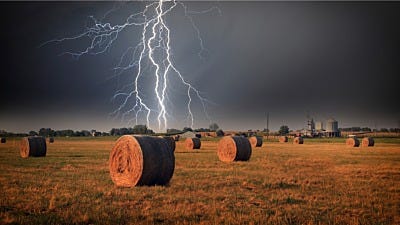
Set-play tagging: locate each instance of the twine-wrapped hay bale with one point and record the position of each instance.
(141, 160)
(298, 140)
(3, 140)
(256, 141)
(34, 146)
(352, 142)
(234, 148)
(51, 139)
(367, 142)
(192, 143)
(171, 143)
(283, 139)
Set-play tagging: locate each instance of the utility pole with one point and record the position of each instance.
(267, 125)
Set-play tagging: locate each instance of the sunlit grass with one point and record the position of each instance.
(283, 183)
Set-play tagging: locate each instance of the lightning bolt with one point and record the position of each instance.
(152, 56)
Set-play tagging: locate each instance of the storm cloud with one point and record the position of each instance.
(326, 59)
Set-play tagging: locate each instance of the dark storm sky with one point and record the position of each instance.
(327, 59)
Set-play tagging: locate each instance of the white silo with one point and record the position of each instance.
(332, 128)
(319, 125)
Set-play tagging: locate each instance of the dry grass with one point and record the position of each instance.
(283, 183)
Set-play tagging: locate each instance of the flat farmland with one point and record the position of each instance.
(319, 182)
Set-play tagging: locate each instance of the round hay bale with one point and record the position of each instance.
(51, 139)
(352, 142)
(283, 139)
(192, 143)
(256, 141)
(141, 160)
(34, 146)
(234, 148)
(298, 140)
(171, 143)
(3, 140)
(367, 142)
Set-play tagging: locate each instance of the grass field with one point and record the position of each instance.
(319, 182)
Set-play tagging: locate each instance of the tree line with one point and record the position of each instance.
(137, 129)
(143, 129)
(367, 129)
(48, 132)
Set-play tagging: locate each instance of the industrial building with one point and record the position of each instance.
(332, 128)
(317, 129)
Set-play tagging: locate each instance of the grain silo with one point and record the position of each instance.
(332, 128)
(319, 126)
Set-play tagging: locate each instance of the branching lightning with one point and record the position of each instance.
(152, 56)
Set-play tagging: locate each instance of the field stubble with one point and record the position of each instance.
(283, 183)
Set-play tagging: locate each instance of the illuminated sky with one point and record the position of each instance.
(337, 60)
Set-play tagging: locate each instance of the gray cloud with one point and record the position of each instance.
(330, 59)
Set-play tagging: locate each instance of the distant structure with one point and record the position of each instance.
(332, 128)
(310, 130)
(319, 126)
(317, 129)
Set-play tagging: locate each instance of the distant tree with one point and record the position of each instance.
(114, 132)
(140, 129)
(202, 130)
(220, 133)
(124, 131)
(45, 132)
(185, 129)
(173, 131)
(213, 127)
(150, 131)
(366, 129)
(283, 130)
(82, 133)
(68, 133)
(384, 130)
(32, 133)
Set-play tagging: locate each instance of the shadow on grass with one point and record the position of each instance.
(289, 200)
(75, 156)
(193, 151)
(282, 185)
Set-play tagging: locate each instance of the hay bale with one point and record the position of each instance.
(34, 146)
(256, 141)
(141, 160)
(283, 139)
(192, 143)
(51, 139)
(367, 141)
(352, 142)
(234, 148)
(298, 140)
(171, 143)
(3, 140)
